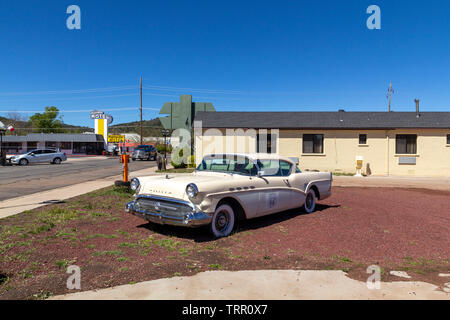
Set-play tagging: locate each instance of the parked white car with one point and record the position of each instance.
(226, 188)
(38, 156)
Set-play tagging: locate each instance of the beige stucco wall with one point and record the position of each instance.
(341, 149)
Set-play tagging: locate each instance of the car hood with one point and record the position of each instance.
(174, 185)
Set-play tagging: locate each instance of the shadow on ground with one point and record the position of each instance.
(202, 234)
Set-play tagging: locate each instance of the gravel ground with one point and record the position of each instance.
(398, 229)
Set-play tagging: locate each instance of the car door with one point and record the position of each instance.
(51, 155)
(35, 156)
(275, 191)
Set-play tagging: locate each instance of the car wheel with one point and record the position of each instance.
(23, 162)
(310, 201)
(57, 161)
(223, 221)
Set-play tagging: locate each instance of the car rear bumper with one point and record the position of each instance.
(187, 219)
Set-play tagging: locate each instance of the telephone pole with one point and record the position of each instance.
(391, 91)
(142, 139)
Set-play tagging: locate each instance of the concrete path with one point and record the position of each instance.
(262, 285)
(432, 183)
(17, 205)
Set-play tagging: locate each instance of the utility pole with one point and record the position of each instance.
(142, 139)
(390, 92)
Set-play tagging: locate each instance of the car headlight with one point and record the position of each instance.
(135, 184)
(191, 190)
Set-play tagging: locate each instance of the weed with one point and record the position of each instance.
(216, 266)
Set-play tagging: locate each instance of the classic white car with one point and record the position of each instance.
(226, 188)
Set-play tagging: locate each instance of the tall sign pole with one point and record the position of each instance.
(142, 141)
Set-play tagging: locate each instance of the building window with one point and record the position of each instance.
(265, 141)
(406, 144)
(51, 144)
(12, 147)
(66, 145)
(31, 145)
(448, 139)
(363, 139)
(313, 143)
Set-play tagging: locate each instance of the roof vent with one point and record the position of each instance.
(341, 110)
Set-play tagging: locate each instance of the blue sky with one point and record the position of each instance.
(239, 55)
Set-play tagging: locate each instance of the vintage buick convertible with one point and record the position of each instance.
(226, 188)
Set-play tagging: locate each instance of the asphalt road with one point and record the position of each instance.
(16, 181)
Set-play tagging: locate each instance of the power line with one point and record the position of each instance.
(67, 91)
(75, 111)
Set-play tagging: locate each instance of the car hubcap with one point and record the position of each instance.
(222, 221)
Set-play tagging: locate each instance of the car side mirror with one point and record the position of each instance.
(260, 174)
(32, 154)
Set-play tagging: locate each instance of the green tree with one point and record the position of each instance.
(48, 122)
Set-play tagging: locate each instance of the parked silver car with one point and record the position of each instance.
(39, 156)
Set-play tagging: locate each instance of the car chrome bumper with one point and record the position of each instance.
(190, 219)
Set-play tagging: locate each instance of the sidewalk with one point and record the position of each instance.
(433, 183)
(17, 205)
(262, 285)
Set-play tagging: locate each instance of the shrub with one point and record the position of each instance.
(191, 162)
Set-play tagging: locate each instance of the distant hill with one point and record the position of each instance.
(150, 128)
(24, 127)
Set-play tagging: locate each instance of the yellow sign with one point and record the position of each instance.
(114, 138)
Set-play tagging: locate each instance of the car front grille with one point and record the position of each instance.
(163, 206)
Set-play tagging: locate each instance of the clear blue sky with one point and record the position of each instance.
(239, 55)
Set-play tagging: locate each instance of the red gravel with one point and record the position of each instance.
(356, 227)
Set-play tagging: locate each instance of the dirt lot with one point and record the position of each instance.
(398, 229)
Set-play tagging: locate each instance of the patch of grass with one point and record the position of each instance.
(216, 266)
(104, 236)
(91, 246)
(177, 274)
(342, 259)
(184, 251)
(124, 269)
(343, 174)
(26, 274)
(167, 243)
(63, 263)
(122, 259)
(108, 253)
(42, 295)
(128, 245)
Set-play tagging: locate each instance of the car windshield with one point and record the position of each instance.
(228, 164)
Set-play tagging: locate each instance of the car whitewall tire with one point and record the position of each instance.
(310, 201)
(223, 221)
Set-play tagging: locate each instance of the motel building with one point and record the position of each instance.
(388, 143)
(71, 144)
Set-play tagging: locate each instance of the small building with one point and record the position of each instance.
(389, 143)
(79, 144)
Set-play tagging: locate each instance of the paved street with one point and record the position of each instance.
(16, 181)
